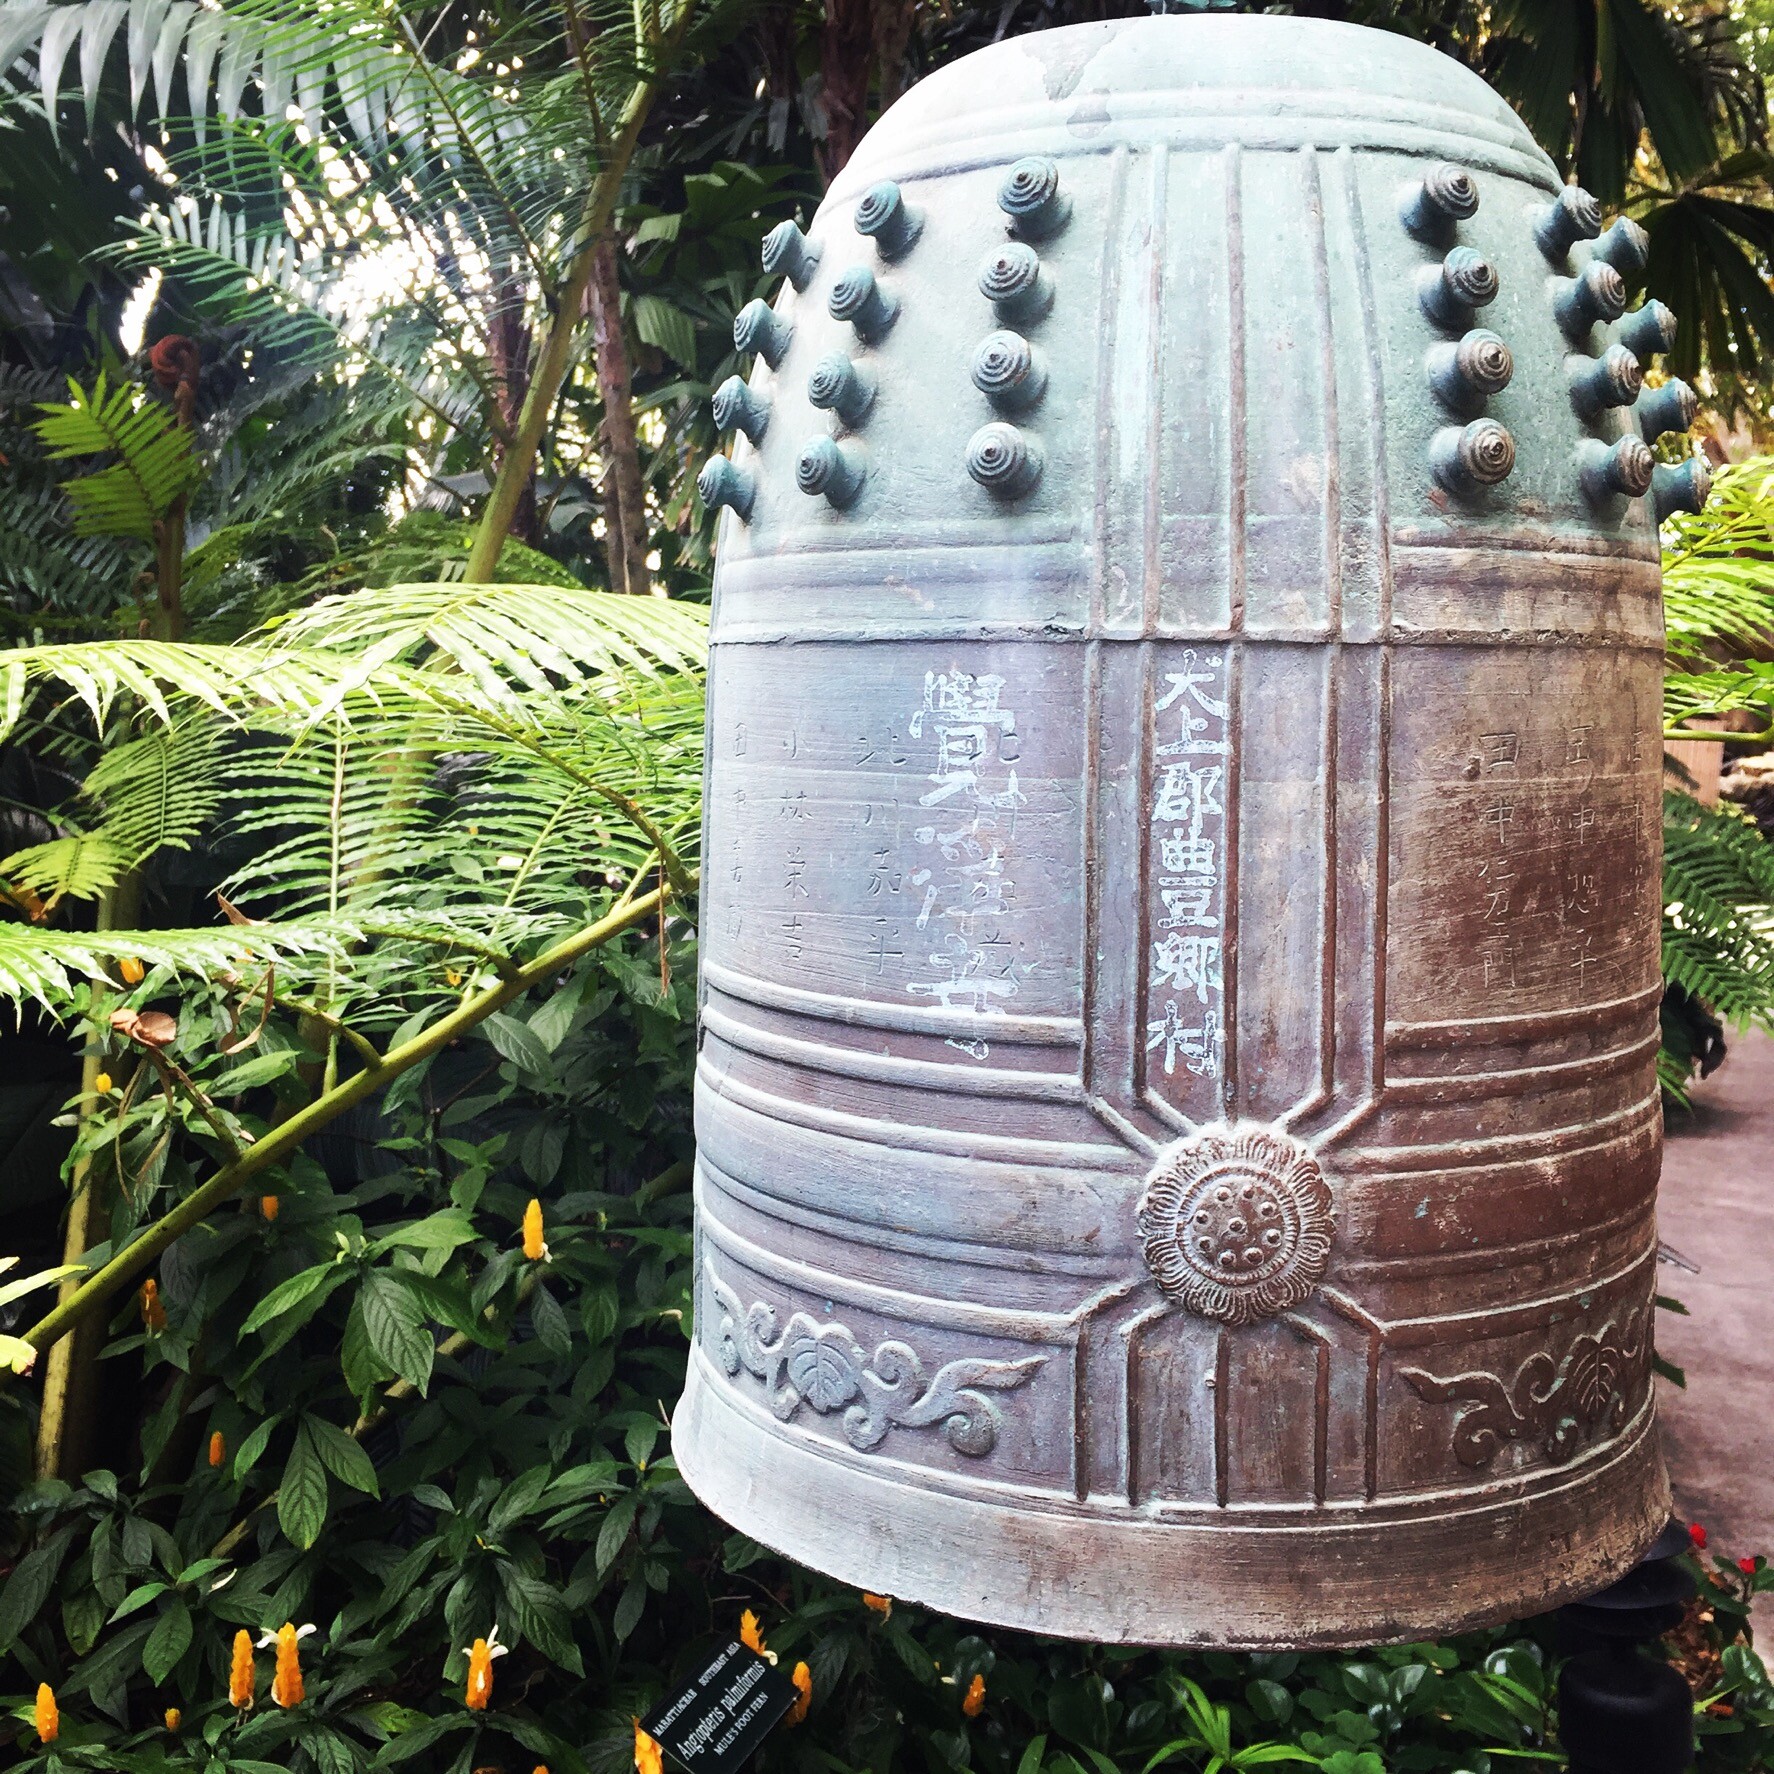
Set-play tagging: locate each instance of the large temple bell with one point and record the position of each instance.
(1177, 1118)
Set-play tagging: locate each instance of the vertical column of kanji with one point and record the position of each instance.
(959, 872)
(1184, 987)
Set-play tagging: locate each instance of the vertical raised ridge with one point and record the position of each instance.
(1327, 369)
(1109, 280)
(1237, 443)
(1152, 567)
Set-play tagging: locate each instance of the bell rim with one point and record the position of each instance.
(1237, 1579)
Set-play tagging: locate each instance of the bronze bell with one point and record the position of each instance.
(1178, 1127)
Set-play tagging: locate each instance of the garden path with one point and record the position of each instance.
(1717, 1209)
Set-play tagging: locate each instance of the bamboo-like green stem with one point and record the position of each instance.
(552, 365)
(283, 1140)
(63, 1419)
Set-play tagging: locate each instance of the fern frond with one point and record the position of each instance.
(531, 635)
(155, 465)
(156, 792)
(1718, 921)
(80, 866)
(45, 568)
(1722, 689)
(164, 675)
(1718, 568)
(42, 965)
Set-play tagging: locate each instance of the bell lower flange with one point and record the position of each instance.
(1238, 1579)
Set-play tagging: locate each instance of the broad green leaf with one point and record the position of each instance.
(640, 1440)
(540, 1615)
(330, 1751)
(291, 1293)
(302, 1493)
(447, 1229)
(27, 1589)
(630, 1607)
(552, 1329)
(168, 1642)
(394, 1322)
(139, 1597)
(519, 1498)
(342, 1457)
(613, 1535)
(519, 1043)
(24, 1284)
(248, 1454)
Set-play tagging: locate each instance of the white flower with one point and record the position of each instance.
(269, 1636)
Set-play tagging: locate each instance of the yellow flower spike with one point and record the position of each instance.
(153, 1312)
(480, 1671)
(218, 1448)
(881, 1604)
(803, 1680)
(132, 970)
(287, 1687)
(974, 1702)
(648, 1757)
(269, 1207)
(46, 1715)
(102, 1084)
(534, 1248)
(452, 976)
(749, 1635)
(174, 1718)
(240, 1671)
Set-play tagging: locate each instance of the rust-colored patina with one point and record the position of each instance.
(1178, 1128)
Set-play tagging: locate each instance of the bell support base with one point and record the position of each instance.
(1136, 1579)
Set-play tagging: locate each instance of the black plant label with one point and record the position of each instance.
(725, 1713)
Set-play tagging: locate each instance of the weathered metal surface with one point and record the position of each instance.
(1178, 1132)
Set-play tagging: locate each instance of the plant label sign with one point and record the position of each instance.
(715, 1723)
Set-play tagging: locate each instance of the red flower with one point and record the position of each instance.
(1697, 1534)
(1747, 1566)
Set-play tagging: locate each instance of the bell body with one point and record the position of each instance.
(1178, 1131)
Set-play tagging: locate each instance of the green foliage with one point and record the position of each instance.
(154, 467)
(1718, 924)
(1718, 869)
(404, 787)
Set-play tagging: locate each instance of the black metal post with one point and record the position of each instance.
(1620, 1711)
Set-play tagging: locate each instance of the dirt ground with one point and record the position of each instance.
(1717, 1209)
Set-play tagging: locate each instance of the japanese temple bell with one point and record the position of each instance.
(1177, 1115)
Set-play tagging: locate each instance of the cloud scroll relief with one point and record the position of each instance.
(1558, 1404)
(823, 1366)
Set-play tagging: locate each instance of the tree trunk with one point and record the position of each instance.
(625, 497)
(846, 66)
(508, 352)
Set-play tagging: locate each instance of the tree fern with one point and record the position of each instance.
(426, 780)
(155, 466)
(1718, 889)
(1718, 879)
(79, 866)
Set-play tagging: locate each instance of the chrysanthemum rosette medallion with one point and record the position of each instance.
(1237, 1223)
